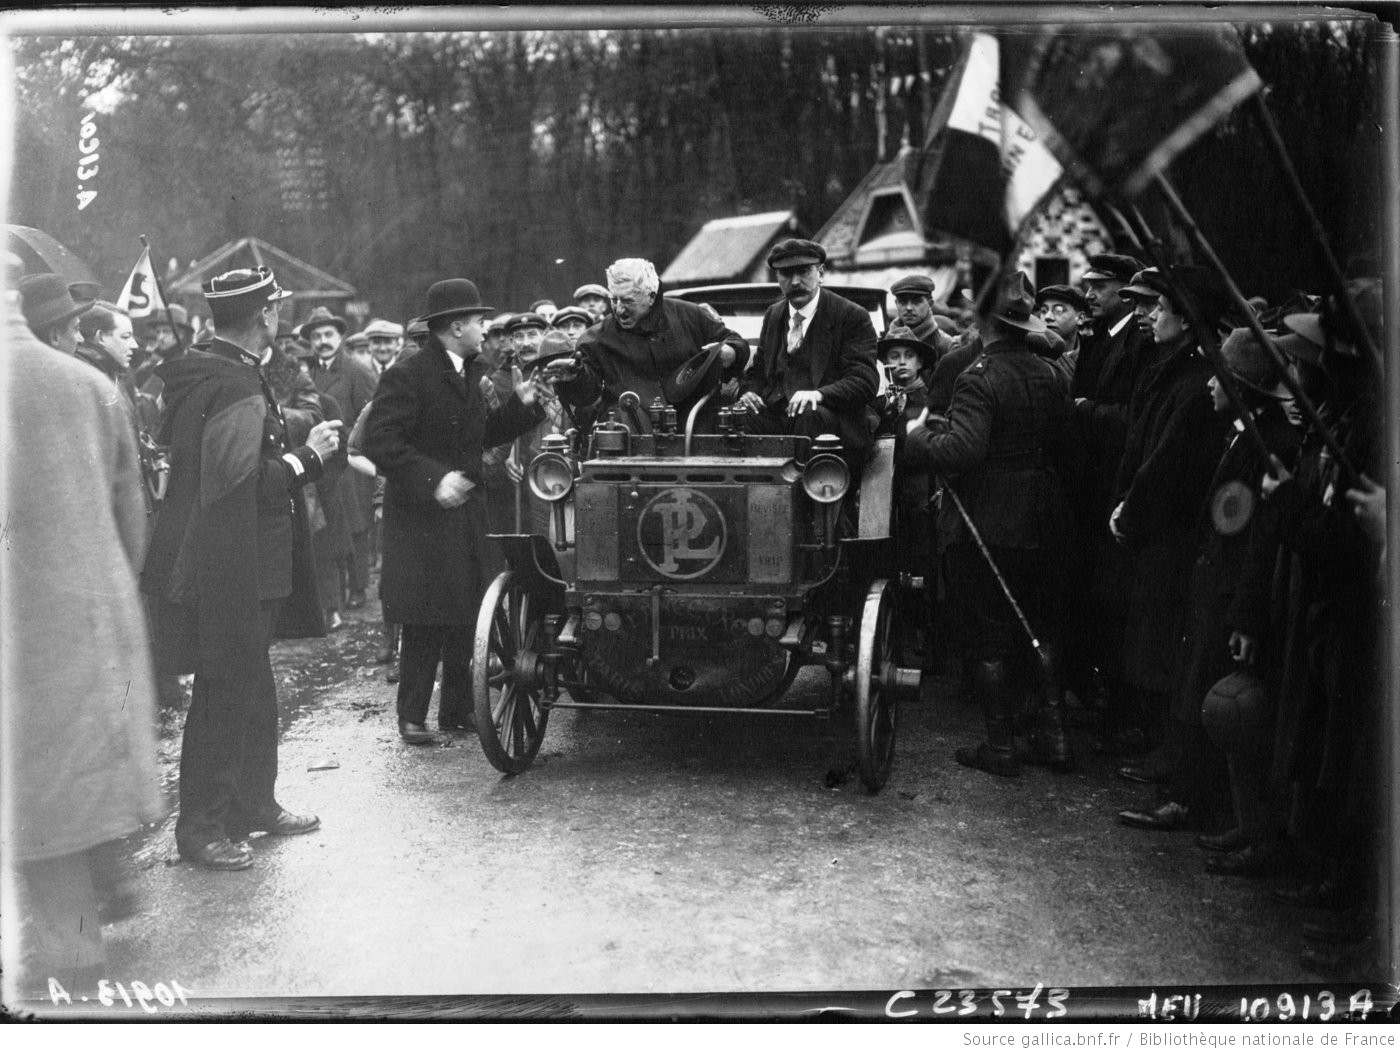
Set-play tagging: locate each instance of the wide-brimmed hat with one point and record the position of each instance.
(1112, 266)
(591, 289)
(454, 296)
(696, 376)
(1251, 365)
(1065, 294)
(322, 317)
(380, 328)
(524, 319)
(903, 337)
(573, 313)
(913, 284)
(1304, 337)
(554, 346)
(1015, 304)
(46, 301)
(796, 252)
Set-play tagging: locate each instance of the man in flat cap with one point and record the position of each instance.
(593, 298)
(644, 342)
(815, 370)
(425, 433)
(913, 300)
(230, 567)
(1064, 309)
(385, 343)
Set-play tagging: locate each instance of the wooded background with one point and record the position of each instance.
(530, 160)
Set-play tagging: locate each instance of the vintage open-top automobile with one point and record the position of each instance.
(707, 569)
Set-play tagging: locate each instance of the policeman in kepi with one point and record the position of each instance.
(997, 450)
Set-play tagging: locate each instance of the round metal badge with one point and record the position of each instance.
(1232, 507)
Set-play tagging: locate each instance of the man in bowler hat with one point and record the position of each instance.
(425, 432)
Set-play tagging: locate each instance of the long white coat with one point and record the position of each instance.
(77, 702)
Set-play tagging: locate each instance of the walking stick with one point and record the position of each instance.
(1303, 402)
(519, 497)
(1044, 658)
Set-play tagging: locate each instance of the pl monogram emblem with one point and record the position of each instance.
(681, 533)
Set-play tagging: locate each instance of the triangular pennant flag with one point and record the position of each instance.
(140, 297)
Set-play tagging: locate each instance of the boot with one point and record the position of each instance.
(991, 684)
(389, 634)
(1049, 741)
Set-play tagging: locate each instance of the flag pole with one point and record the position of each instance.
(1251, 320)
(1266, 123)
(165, 301)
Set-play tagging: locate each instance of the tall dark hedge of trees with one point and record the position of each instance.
(530, 160)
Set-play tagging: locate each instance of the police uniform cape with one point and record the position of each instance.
(203, 564)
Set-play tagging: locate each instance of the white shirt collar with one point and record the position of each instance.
(457, 360)
(1117, 327)
(808, 311)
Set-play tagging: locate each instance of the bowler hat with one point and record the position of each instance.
(454, 296)
(526, 319)
(1065, 294)
(1015, 304)
(916, 284)
(796, 252)
(380, 328)
(1251, 365)
(47, 301)
(573, 313)
(554, 346)
(322, 317)
(590, 289)
(903, 337)
(1113, 266)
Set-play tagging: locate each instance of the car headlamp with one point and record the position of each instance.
(825, 477)
(551, 476)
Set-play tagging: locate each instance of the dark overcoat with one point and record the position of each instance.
(351, 385)
(232, 530)
(426, 421)
(1171, 453)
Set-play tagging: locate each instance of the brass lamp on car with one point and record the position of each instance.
(826, 479)
(551, 479)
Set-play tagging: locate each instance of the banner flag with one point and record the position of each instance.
(140, 297)
(1116, 103)
(994, 168)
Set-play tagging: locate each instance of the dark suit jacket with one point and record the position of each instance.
(424, 422)
(840, 348)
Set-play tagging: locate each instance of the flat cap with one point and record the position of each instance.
(796, 252)
(1065, 294)
(382, 328)
(920, 284)
(1112, 266)
(591, 289)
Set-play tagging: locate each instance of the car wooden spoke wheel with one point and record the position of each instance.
(507, 675)
(876, 692)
